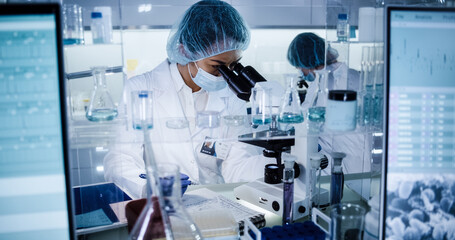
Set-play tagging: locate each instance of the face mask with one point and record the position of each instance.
(207, 81)
(309, 78)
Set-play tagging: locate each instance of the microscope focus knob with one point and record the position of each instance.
(301, 209)
(275, 206)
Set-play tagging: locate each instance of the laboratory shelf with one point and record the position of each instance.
(84, 133)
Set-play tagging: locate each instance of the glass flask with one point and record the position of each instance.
(316, 112)
(101, 107)
(153, 222)
(290, 110)
(182, 225)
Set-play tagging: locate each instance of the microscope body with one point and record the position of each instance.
(269, 196)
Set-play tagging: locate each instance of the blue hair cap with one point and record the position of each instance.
(208, 28)
(307, 51)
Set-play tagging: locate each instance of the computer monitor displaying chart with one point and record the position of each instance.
(419, 166)
(34, 187)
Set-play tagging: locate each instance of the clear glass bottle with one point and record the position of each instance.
(101, 107)
(97, 28)
(337, 180)
(288, 188)
(290, 110)
(342, 27)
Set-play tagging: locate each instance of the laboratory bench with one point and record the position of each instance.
(118, 230)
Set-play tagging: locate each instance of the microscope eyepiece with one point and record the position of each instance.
(242, 90)
(238, 67)
(241, 80)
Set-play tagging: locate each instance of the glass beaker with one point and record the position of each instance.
(290, 110)
(182, 225)
(101, 106)
(347, 221)
(73, 30)
(261, 106)
(142, 109)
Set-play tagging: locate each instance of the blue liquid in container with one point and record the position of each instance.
(98, 40)
(316, 114)
(336, 188)
(290, 118)
(100, 115)
(138, 126)
(260, 121)
(71, 41)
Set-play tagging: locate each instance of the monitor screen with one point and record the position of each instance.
(419, 193)
(34, 196)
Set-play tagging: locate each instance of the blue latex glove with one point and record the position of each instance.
(184, 181)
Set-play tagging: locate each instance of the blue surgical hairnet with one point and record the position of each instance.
(208, 28)
(307, 51)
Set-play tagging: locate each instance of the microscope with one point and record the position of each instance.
(267, 192)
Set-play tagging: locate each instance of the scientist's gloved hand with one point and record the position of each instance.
(184, 181)
(324, 162)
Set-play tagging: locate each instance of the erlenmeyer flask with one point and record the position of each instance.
(101, 106)
(290, 110)
(153, 222)
(182, 225)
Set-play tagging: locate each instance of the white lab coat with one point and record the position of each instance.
(339, 76)
(124, 163)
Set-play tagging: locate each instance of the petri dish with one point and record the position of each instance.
(208, 119)
(177, 123)
(234, 120)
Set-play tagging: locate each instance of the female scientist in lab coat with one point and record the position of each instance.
(307, 53)
(211, 33)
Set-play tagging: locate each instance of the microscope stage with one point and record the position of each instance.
(270, 197)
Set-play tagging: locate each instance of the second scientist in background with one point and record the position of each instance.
(307, 52)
